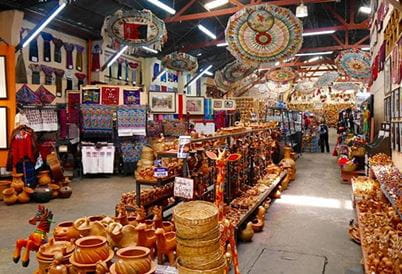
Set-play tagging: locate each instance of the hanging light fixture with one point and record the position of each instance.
(214, 4)
(301, 10)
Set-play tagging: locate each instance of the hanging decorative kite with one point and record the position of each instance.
(282, 75)
(236, 71)
(305, 87)
(345, 86)
(137, 28)
(220, 81)
(354, 63)
(263, 33)
(326, 79)
(180, 61)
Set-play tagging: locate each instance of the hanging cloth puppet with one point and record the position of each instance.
(78, 57)
(20, 70)
(33, 51)
(35, 68)
(48, 74)
(96, 52)
(69, 52)
(69, 77)
(59, 81)
(58, 44)
(133, 67)
(80, 77)
(47, 37)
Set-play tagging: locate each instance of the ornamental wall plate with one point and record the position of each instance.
(354, 63)
(236, 71)
(326, 79)
(282, 75)
(263, 33)
(137, 28)
(180, 61)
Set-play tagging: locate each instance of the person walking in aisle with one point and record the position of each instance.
(323, 129)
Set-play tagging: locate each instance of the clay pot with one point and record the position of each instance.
(90, 250)
(25, 195)
(286, 180)
(44, 178)
(66, 231)
(42, 194)
(167, 226)
(288, 161)
(65, 192)
(9, 196)
(17, 182)
(62, 250)
(55, 190)
(3, 186)
(150, 224)
(133, 260)
(257, 225)
(247, 234)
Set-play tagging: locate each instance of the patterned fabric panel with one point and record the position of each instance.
(97, 118)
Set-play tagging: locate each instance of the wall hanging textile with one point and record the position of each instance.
(110, 95)
(42, 120)
(20, 70)
(174, 128)
(97, 118)
(33, 51)
(180, 61)
(58, 44)
(382, 57)
(236, 70)
(47, 37)
(326, 79)
(63, 124)
(219, 119)
(22, 145)
(59, 81)
(48, 71)
(154, 128)
(131, 151)
(96, 52)
(81, 77)
(282, 75)
(263, 33)
(78, 57)
(131, 97)
(354, 63)
(69, 55)
(131, 120)
(26, 96)
(45, 96)
(69, 77)
(91, 96)
(98, 160)
(35, 68)
(208, 110)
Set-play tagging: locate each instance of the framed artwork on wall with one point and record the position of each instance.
(393, 104)
(385, 109)
(397, 103)
(217, 104)
(3, 78)
(195, 105)
(395, 66)
(162, 102)
(400, 137)
(387, 76)
(3, 128)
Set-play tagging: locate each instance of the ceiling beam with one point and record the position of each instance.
(336, 38)
(228, 11)
(332, 48)
(362, 40)
(335, 14)
(237, 3)
(182, 10)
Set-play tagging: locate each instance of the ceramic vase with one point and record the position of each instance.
(42, 194)
(287, 160)
(25, 195)
(17, 182)
(44, 178)
(133, 260)
(10, 196)
(90, 250)
(3, 186)
(65, 191)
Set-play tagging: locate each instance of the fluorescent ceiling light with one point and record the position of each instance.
(209, 73)
(199, 54)
(364, 9)
(301, 11)
(314, 53)
(206, 31)
(365, 48)
(163, 6)
(314, 59)
(222, 44)
(44, 24)
(205, 71)
(318, 32)
(215, 4)
(149, 49)
(122, 50)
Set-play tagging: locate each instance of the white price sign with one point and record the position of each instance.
(160, 172)
(183, 187)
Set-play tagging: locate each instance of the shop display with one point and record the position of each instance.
(354, 63)
(263, 33)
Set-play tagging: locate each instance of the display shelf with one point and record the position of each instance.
(363, 247)
(262, 198)
(159, 182)
(390, 199)
(154, 202)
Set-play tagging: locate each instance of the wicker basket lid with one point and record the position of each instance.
(196, 211)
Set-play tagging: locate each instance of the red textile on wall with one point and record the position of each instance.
(110, 96)
(22, 146)
(181, 106)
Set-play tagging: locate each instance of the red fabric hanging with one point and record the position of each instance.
(181, 106)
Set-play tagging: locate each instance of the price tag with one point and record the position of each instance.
(184, 147)
(183, 187)
(160, 172)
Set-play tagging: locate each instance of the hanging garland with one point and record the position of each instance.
(180, 61)
(354, 63)
(236, 70)
(263, 33)
(326, 79)
(282, 75)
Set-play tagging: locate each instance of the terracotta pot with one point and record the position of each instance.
(55, 190)
(3, 186)
(66, 231)
(288, 161)
(167, 226)
(42, 194)
(17, 182)
(61, 250)
(257, 225)
(65, 192)
(133, 260)
(9, 196)
(25, 195)
(89, 250)
(150, 224)
(44, 178)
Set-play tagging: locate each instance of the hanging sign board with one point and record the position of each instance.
(184, 147)
(183, 187)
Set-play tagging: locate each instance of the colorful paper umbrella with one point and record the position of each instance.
(180, 61)
(236, 71)
(305, 87)
(263, 33)
(220, 81)
(282, 75)
(354, 63)
(326, 79)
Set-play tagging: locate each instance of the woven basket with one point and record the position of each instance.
(196, 220)
(184, 270)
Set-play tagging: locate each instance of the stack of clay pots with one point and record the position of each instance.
(16, 191)
(198, 238)
(145, 165)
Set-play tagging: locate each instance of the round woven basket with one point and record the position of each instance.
(185, 270)
(196, 220)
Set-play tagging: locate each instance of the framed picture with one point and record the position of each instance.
(91, 96)
(396, 103)
(195, 105)
(3, 128)
(3, 78)
(217, 104)
(392, 105)
(385, 109)
(387, 76)
(229, 104)
(162, 102)
(400, 137)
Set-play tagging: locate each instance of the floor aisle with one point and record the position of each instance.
(306, 230)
